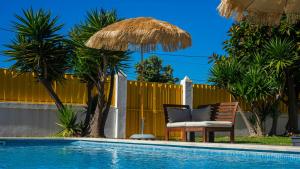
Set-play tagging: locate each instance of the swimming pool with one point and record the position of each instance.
(105, 155)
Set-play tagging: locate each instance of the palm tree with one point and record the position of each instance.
(40, 49)
(93, 66)
(283, 58)
(252, 83)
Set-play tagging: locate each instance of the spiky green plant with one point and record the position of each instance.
(68, 122)
(282, 53)
(252, 83)
(38, 47)
(283, 57)
(93, 66)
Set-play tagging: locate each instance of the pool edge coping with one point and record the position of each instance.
(229, 146)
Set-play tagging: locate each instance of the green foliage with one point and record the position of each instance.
(93, 66)
(68, 122)
(87, 61)
(250, 81)
(225, 71)
(246, 39)
(261, 61)
(38, 47)
(282, 54)
(152, 70)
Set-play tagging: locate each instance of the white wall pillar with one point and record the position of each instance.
(187, 95)
(187, 89)
(120, 103)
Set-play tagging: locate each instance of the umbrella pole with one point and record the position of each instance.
(142, 96)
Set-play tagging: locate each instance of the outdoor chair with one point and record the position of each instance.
(180, 118)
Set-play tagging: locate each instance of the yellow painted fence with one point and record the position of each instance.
(25, 88)
(145, 100)
(206, 94)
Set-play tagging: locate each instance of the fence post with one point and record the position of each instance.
(187, 99)
(120, 104)
(187, 91)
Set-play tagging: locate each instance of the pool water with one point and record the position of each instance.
(49, 154)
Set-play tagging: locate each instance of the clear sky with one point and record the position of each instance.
(198, 17)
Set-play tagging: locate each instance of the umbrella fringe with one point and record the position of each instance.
(238, 10)
(230, 8)
(140, 34)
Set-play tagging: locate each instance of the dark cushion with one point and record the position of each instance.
(201, 114)
(178, 114)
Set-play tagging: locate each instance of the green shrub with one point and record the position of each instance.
(68, 122)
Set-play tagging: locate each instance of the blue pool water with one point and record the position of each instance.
(37, 154)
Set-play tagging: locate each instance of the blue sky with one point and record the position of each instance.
(198, 17)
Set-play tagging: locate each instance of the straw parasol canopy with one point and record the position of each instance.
(263, 12)
(140, 34)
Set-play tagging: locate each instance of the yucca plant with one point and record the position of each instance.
(68, 122)
(94, 66)
(38, 47)
(283, 57)
(253, 83)
(279, 57)
(225, 71)
(282, 53)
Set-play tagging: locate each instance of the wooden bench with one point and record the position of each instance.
(222, 119)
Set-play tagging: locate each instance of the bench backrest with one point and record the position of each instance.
(166, 106)
(224, 111)
(219, 112)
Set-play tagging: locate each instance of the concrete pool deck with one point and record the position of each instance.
(229, 146)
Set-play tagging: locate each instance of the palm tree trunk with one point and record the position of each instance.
(108, 104)
(258, 121)
(258, 126)
(89, 88)
(47, 84)
(274, 125)
(247, 123)
(292, 125)
(96, 124)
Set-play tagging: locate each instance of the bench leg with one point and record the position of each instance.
(183, 135)
(211, 136)
(166, 134)
(204, 135)
(232, 136)
(192, 136)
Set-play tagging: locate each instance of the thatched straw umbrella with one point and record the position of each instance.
(140, 34)
(263, 12)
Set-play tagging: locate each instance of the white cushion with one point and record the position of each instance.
(209, 124)
(201, 124)
(176, 124)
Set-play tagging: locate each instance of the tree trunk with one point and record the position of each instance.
(96, 125)
(89, 109)
(108, 104)
(292, 125)
(259, 126)
(47, 84)
(258, 123)
(274, 125)
(247, 123)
